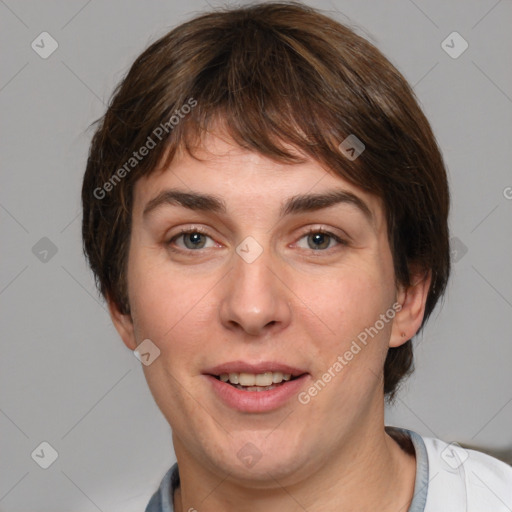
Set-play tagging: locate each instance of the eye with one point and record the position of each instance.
(319, 239)
(193, 238)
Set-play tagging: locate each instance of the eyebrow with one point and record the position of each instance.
(294, 205)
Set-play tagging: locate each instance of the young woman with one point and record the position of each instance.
(265, 211)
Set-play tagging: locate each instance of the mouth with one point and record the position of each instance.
(257, 387)
(256, 381)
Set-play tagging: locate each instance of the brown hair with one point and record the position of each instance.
(275, 74)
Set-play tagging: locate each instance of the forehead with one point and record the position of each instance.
(241, 178)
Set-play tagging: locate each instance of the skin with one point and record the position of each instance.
(293, 304)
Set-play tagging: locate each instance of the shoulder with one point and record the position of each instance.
(162, 499)
(461, 479)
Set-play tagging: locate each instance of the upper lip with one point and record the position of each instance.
(256, 368)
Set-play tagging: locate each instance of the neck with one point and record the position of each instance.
(382, 479)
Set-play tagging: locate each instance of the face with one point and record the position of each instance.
(262, 281)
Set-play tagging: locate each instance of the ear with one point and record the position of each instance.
(123, 324)
(408, 320)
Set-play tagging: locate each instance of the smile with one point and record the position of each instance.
(255, 382)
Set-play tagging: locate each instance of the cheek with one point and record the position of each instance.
(347, 301)
(172, 313)
(341, 321)
(170, 308)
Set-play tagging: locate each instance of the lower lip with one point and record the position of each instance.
(256, 401)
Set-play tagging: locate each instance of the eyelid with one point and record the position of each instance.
(340, 239)
(188, 230)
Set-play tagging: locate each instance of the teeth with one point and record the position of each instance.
(264, 379)
(252, 379)
(255, 388)
(277, 377)
(246, 379)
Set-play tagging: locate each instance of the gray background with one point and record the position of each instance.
(67, 378)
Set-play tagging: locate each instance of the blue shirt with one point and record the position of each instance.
(448, 478)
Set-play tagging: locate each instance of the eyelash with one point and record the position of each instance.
(202, 231)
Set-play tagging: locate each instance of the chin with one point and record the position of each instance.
(261, 460)
(264, 473)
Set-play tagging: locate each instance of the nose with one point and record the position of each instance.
(255, 299)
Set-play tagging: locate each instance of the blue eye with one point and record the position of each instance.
(319, 239)
(192, 238)
(195, 239)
